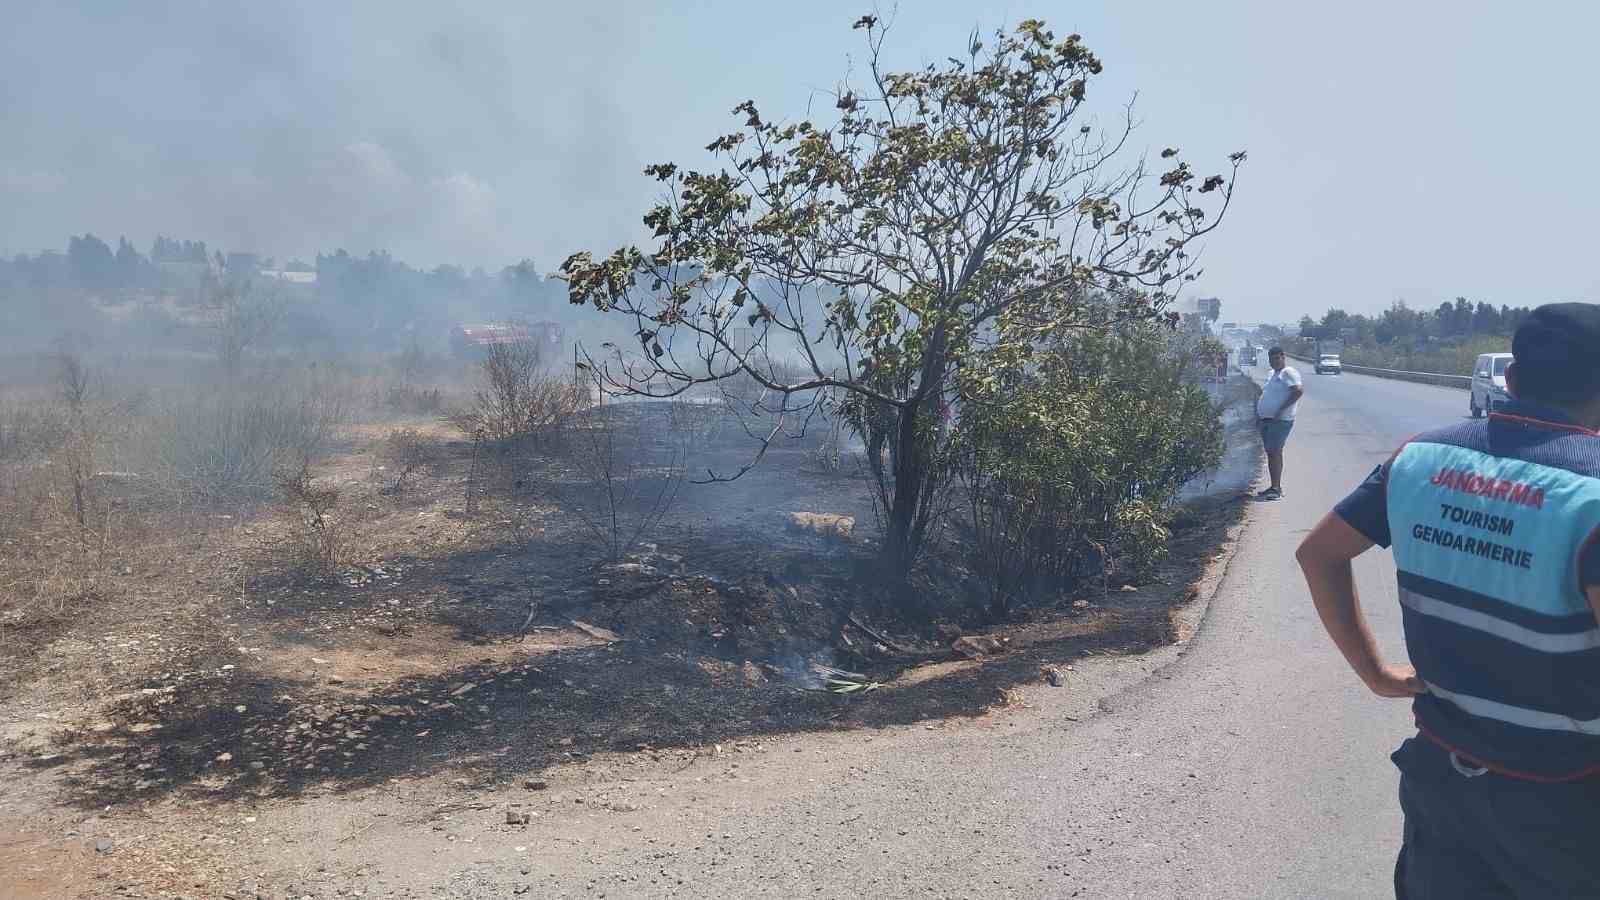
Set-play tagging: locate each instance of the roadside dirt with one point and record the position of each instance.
(213, 730)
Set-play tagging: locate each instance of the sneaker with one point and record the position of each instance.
(1271, 494)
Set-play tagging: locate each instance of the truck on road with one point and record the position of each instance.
(1328, 362)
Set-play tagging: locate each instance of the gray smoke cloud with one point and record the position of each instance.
(439, 134)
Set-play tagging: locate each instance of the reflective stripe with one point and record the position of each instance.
(1571, 642)
(1516, 715)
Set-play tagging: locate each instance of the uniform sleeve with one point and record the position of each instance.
(1367, 508)
(1589, 561)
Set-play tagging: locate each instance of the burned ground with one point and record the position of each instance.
(493, 646)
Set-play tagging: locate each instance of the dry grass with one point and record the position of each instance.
(102, 458)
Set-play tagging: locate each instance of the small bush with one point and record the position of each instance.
(827, 455)
(1072, 471)
(625, 478)
(408, 399)
(696, 422)
(224, 444)
(406, 453)
(515, 399)
(316, 541)
(406, 396)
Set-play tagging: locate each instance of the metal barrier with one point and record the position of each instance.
(1463, 382)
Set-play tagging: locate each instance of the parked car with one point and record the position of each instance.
(1489, 383)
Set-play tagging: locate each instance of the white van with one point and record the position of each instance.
(1489, 383)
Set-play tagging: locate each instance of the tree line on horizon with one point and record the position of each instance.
(1446, 339)
(373, 300)
(1400, 322)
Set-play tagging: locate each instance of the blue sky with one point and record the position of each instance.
(1413, 150)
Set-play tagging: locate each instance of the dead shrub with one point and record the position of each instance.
(627, 478)
(827, 456)
(408, 399)
(516, 400)
(223, 445)
(55, 516)
(75, 459)
(696, 421)
(406, 453)
(315, 540)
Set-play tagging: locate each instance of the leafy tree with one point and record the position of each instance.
(130, 265)
(1334, 321)
(242, 317)
(91, 262)
(1461, 316)
(1444, 319)
(948, 219)
(1402, 322)
(1485, 319)
(523, 283)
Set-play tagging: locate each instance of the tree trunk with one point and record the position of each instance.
(899, 547)
(914, 466)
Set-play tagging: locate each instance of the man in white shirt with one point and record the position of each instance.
(1275, 409)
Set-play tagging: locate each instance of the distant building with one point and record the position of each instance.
(1210, 307)
(290, 276)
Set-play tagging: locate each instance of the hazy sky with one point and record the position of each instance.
(1413, 150)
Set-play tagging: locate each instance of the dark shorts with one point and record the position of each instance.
(1275, 433)
(1492, 836)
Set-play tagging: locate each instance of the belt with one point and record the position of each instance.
(1467, 767)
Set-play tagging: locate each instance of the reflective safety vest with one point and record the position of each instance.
(1487, 522)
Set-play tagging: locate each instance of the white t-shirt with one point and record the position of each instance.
(1275, 392)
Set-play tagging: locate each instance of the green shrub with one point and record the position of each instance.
(1072, 462)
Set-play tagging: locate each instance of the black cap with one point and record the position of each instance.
(1558, 343)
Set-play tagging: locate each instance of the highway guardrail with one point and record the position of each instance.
(1456, 381)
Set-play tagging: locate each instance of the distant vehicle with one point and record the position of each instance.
(1328, 362)
(1247, 356)
(474, 341)
(1489, 383)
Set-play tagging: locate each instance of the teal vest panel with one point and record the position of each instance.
(1499, 527)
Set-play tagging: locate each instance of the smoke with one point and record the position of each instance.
(438, 134)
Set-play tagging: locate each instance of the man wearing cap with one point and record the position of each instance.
(1275, 411)
(1495, 527)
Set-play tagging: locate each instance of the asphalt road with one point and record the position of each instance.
(1252, 765)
